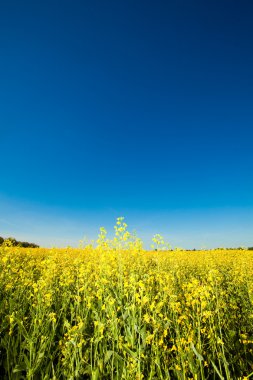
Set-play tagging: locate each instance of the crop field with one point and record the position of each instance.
(103, 313)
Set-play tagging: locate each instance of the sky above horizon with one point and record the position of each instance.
(133, 109)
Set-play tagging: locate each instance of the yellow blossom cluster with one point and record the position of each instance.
(125, 313)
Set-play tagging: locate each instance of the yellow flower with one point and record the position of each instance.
(52, 317)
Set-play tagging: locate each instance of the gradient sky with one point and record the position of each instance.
(127, 108)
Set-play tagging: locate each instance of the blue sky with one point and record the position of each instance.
(129, 108)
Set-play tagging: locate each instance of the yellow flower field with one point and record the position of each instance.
(104, 313)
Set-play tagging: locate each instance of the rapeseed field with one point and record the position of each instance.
(120, 312)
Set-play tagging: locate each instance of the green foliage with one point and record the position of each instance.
(12, 242)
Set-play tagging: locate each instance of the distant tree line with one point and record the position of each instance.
(10, 241)
(222, 248)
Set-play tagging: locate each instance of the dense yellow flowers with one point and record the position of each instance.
(106, 313)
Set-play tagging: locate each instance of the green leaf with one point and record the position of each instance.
(199, 356)
(130, 352)
(108, 356)
(18, 368)
(218, 372)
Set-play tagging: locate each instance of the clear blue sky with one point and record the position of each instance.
(134, 108)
